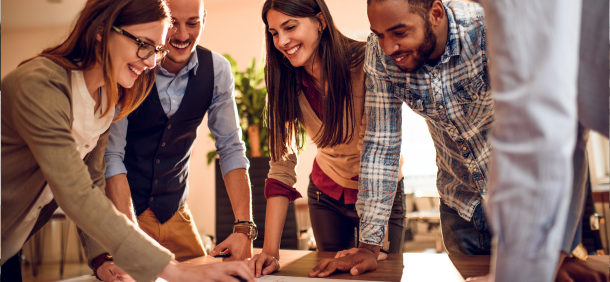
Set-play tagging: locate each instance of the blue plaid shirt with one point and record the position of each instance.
(454, 98)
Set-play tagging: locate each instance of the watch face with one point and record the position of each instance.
(253, 232)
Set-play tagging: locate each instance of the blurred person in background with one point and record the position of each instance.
(549, 70)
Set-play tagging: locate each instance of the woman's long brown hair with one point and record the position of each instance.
(338, 53)
(81, 50)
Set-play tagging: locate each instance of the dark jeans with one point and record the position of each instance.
(335, 224)
(11, 270)
(462, 237)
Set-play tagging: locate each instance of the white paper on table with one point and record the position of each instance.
(264, 278)
(91, 278)
(277, 278)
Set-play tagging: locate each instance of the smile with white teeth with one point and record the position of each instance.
(400, 58)
(134, 70)
(180, 46)
(293, 50)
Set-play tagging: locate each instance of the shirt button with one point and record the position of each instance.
(173, 101)
(169, 126)
(474, 97)
(440, 106)
(158, 160)
(435, 74)
(86, 145)
(463, 149)
(151, 199)
(156, 181)
(163, 144)
(474, 169)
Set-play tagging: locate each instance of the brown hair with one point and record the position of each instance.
(339, 54)
(420, 7)
(80, 50)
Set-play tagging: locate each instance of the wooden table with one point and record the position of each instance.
(405, 267)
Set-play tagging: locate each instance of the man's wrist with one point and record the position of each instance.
(372, 248)
(246, 227)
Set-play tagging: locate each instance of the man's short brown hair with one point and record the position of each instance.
(420, 7)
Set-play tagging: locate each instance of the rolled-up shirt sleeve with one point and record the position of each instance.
(223, 121)
(115, 150)
(380, 150)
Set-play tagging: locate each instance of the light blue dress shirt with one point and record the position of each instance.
(223, 121)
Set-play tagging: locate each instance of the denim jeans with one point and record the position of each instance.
(462, 237)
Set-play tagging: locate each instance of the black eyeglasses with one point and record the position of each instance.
(145, 49)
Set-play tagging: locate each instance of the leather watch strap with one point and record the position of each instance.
(98, 261)
(245, 229)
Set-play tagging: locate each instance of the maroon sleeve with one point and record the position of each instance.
(274, 188)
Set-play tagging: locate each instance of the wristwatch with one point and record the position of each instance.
(246, 227)
(98, 261)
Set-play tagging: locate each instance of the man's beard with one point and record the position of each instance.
(425, 49)
(175, 60)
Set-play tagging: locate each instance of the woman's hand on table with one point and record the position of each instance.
(340, 254)
(109, 272)
(225, 271)
(263, 264)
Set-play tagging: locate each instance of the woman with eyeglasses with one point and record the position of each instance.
(315, 79)
(56, 111)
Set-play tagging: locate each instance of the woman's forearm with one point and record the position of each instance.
(277, 208)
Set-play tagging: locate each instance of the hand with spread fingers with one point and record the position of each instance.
(340, 254)
(363, 260)
(263, 264)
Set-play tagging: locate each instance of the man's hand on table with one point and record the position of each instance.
(575, 270)
(109, 272)
(340, 254)
(263, 263)
(363, 260)
(226, 271)
(237, 244)
(570, 270)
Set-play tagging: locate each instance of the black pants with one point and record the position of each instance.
(11, 270)
(335, 224)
